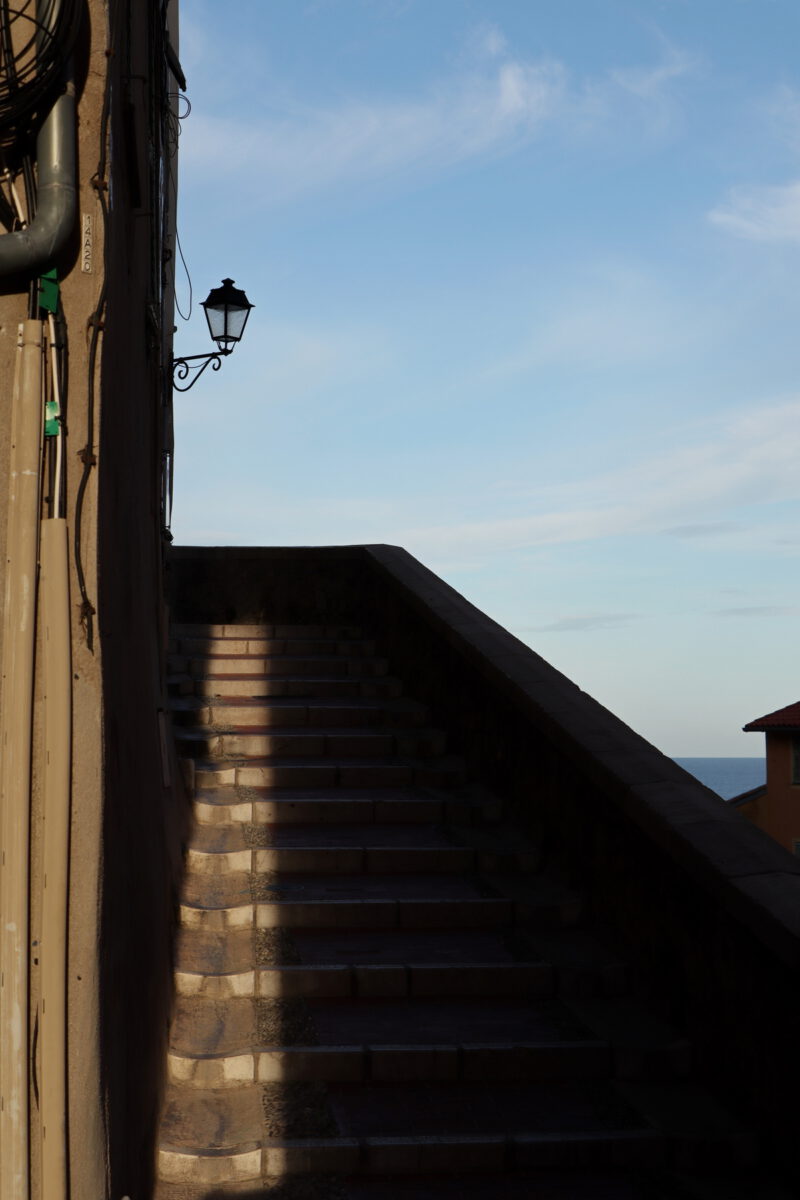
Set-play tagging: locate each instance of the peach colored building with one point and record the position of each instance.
(775, 808)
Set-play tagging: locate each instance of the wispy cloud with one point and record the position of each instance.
(652, 82)
(485, 41)
(493, 110)
(745, 461)
(385, 8)
(749, 458)
(782, 114)
(516, 533)
(700, 529)
(768, 212)
(759, 610)
(611, 315)
(763, 214)
(643, 95)
(492, 103)
(580, 624)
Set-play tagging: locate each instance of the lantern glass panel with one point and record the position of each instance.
(227, 309)
(215, 315)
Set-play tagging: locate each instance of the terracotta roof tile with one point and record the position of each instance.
(783, 718)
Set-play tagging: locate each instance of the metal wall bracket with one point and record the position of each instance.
(194, 365)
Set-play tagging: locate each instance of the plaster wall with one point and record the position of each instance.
(778, 813)
(80, 292)
(128, 814)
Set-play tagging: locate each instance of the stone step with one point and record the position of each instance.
(601, 1183)
(694, 1131)
(226, 805)
(458, 1155)
(225, 890)
(200, 951)
(520, 1062)
(583, 963)
(333, 859)
(354, 914)
(225, 838)
(205, 1024)
(414, 980)
(441, 948)
(229, 712)
(266, 630)
(433, 1019)
(285, 665)
(528, 891)
(194, 646)
(443, 772)
(549, 1183)
(554, 1183)
(224, 1118)
(317, 743)
(205, 952)
(309, 686)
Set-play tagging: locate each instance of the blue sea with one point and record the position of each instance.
(727, 777)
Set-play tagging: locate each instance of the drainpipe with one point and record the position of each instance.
(33, 249)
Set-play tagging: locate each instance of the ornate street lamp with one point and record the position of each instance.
(227, 309)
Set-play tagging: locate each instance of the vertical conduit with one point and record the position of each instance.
(16, 716)
(57, 668)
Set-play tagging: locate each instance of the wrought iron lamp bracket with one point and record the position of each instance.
(183, 367)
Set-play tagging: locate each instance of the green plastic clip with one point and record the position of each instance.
(48, 291)
(52, 422)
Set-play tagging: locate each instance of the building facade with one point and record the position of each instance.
(89, 819)
(775, 808)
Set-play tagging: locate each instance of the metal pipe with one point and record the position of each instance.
(57, 669)
(33, 249)
(16, 724)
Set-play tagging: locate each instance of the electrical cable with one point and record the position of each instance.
(17, 204)
(173, 124)
(174, 128)
(89, 460)
(188, 279)
(7, 215)
(37, 38)
(59, 438)
(95, 325)
(30, 203)
(40, 55)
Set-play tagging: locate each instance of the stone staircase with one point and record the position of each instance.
(382, 990)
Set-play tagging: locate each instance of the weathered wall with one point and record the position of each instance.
(708, 905)
(128, 813)
(779, 811)
(777, 808)
(144, 818)
(79, 292)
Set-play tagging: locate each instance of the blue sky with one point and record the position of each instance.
(526, 287)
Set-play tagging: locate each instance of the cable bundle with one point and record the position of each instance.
(36, 39)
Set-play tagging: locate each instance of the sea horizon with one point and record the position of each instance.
(728, 776)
